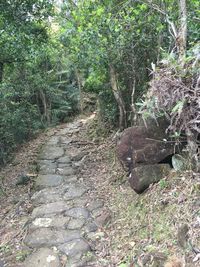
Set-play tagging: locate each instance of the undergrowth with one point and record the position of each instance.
(149, 223)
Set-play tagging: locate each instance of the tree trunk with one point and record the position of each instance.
(45, 107)
(133, 107)
(118, 98)
(1, 71)
(78, 78)
(182, 35)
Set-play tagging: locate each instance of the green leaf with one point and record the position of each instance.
(179, 106)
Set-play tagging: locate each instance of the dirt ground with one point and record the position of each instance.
(144, 230)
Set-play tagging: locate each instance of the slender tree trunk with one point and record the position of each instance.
(78, 78)
(1, 71)
(133, 107)
(45, 107)
(118, 98)
(182, 36)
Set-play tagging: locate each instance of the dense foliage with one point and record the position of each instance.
(36, 84)
(51, 51)
(113, 44)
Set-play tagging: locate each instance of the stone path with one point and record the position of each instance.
(64, 219)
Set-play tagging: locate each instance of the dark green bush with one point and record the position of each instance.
(108, 109)
(32, 98)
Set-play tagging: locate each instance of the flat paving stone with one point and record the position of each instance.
(76, 223)
(55, 208)
(65, 159)
(49, 237)
(44, 257)
(45, 180)
(75, 191)
(47, 195)
(66, 171)
(74, 247)
(55, 222)
(47, 167)
(70, 179)
(81, 202)
(52, 152)
(78, 212)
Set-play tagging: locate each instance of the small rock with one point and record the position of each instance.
(90, 227)
(103, 219)
(178, 162)
(44, 257)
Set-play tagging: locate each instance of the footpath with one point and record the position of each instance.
(64, 218)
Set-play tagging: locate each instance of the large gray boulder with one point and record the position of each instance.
(144, 145)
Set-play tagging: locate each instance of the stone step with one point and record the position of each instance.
(45, 237)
